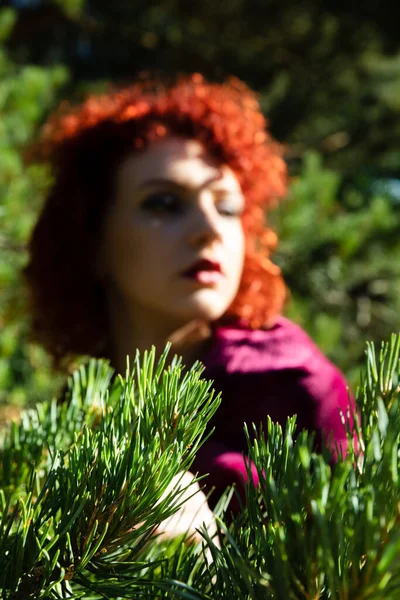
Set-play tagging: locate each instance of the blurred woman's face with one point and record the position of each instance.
(173, 243)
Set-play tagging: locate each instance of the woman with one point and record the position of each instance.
(154, 230)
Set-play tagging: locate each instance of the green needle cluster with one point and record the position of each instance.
(83, 489)
(83, 483)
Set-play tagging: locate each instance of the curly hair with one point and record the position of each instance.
(86, 144)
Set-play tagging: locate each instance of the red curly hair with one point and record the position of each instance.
(86, 144)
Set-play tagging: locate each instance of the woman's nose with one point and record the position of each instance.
(205, 225)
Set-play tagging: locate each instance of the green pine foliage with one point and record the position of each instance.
(26, 92)
(340, 255)
(83, 488)
(84, 481)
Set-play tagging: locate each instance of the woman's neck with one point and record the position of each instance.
(131, 331)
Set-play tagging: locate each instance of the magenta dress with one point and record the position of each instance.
(277, 372)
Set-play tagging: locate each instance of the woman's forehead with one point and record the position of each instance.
(179, 160)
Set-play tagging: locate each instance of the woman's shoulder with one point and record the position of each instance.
(284, 345)
(279, 371)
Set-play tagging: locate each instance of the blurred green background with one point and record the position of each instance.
(328, 74)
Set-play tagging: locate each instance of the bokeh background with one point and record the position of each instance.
(328, 75)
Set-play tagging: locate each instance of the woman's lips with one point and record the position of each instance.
(205, 272)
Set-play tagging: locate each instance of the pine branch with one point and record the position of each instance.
(102, 466)
(310, 530)
(313, 530)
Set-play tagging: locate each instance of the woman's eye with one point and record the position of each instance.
(230, 209)
(163, 203)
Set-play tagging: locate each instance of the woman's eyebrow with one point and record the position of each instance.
(179, 184)
(160, 181)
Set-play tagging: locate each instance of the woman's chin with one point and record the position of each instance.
(206, 304)
(203, 312)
